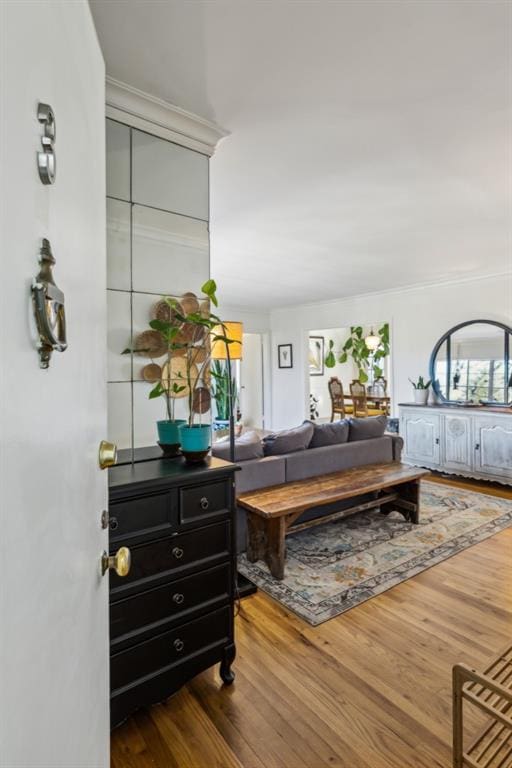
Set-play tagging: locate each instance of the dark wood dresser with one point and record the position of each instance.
(172, 616)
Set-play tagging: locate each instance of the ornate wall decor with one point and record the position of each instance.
(48, 306)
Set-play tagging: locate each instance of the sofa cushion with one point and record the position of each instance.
(260, 473)
(289, 440)
(329, 434)
(247, 446)
(334, 458)
(365, 429)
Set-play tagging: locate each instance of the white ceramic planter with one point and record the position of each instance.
(421, 396)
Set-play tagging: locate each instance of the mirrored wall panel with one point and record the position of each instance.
(167, 176)
(168, 250)
(472, 364)
(118, 160)
(157, 245)
(118, 245)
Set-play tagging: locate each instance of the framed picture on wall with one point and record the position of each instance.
(285, 356)
(316, 355)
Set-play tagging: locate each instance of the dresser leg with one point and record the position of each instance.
(226, 673)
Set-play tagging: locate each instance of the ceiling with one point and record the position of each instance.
(371, 142)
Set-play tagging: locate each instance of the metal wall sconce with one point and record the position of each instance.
(48, 305)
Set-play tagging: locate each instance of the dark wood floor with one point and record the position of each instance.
(370, 689)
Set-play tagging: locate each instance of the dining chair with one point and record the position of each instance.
(360, 401)
(337, 399)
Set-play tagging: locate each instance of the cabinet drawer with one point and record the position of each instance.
(160, 560)
(143, 517)
(201, 502)
(171, 602)
(170, 648)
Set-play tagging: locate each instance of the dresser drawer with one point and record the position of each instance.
(143, 517)
(198, 503)
(169, 603)
(169, 648)
(160, 560)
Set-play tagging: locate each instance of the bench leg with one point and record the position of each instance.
(257, 538)
(408, 502)
(410, 494)
(267, 542)
(275, 553)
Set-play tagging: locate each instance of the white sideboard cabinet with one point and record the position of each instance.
(472, 442)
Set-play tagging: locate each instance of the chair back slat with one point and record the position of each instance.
(336, 394)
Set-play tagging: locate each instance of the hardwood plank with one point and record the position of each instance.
(369, 689)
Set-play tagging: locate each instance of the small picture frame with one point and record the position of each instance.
(316, 355)
(285, 356)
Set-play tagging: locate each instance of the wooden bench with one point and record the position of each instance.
(272, 512)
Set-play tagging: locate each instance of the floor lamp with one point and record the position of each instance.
(221, 351)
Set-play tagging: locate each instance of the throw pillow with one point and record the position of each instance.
(247, 446)
(289, 440)
(365, 429)
(330, 434)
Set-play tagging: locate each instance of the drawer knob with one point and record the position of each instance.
(178, 553)
(178, 598)
(204, 503)
(113, 524)
(179, 645)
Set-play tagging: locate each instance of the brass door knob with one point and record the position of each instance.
(107, 455)
(120, 562)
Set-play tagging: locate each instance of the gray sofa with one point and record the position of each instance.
(299, 465)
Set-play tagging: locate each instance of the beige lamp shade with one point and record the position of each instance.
(232, 330)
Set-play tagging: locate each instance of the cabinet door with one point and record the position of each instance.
(420, 430)
(493, 446)
(457, 443)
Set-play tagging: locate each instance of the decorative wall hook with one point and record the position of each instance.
(48, 304)
(46, 164)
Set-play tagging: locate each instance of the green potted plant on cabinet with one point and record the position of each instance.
(421, 389)
(202, 327)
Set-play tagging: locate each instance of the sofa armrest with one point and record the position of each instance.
(397, 443)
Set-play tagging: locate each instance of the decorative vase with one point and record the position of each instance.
(195, 441)
(421, 396)
(169, 436)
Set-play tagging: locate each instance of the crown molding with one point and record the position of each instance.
(411, 288)
(149, 113)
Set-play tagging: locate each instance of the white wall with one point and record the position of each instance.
(417, 317)
(53, 603)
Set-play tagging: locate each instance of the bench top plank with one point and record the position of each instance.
(300, 495)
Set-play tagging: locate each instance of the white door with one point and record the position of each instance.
(251, 374)
(493, 446)
(53, 600)
(420, 430)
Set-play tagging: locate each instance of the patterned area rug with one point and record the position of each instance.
(333, 567)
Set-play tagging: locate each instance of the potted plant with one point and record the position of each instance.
(355, 346)
(198, 328)
(421, 388)
(221, 391)
(152, 344)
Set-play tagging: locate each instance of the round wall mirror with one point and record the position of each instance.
(471, 363)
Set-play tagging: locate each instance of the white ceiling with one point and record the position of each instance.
(371, 142)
